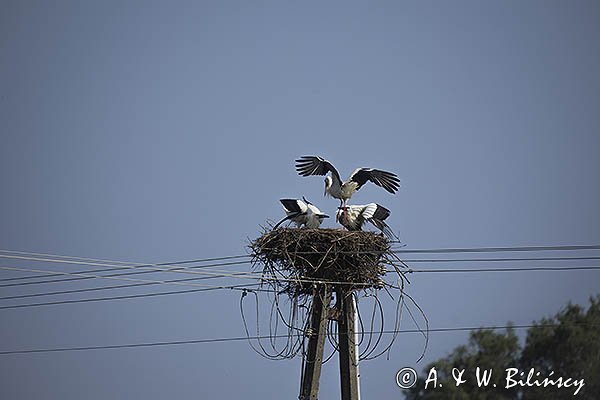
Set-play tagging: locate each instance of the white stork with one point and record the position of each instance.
(302, 212)
(353, 217)
(315, 165)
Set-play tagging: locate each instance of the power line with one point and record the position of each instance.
(145, 281)
(152, 267)
(62, 256)
(501, 249)
(95, 289)
(247, 275)
(238, 274)
(474, 250)
(507, 269)
(242, 287)
(498, 259)
(250, 275)
(50, 273)
(121, 262)
(247, 287)
(111, 263)
(242, 338)
(103, 262)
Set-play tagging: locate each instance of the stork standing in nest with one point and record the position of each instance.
(353, 217)
(301, 212)
(343, 190)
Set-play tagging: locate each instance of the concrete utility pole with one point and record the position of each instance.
(346, 341)
(316, 343)
(346, 314)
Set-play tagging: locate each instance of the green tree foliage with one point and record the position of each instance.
(571, 348)
(568, 344)
(486, 349)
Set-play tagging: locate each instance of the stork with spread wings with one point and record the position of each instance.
(343, 190)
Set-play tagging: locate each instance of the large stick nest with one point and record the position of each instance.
(295, 259)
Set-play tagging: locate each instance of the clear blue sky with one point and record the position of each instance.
(160, 131)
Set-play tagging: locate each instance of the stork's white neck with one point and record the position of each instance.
(333, 188)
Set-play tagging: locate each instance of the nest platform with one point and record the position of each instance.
(294, 259)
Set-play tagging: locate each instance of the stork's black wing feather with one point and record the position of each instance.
(292, 205)
(381, 213)
(315, 165)
(386, 180)
(385, 228)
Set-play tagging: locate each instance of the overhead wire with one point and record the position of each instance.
(99, 260)
(113, 264)
(159, 267)
(257, 276)
(156, 267)
(264, 290)
(499, 259)
(506, 259)
(291, 347)
(506, 269)
(146, 281)
(499, 249)
(251, 275)
(247, 287)
(102, 288)
(243, 338)
(246, 274)
(50, 273)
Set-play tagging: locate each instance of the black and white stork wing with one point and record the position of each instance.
(385, 228)
(315, 165)
(381, 213)
(315, 210)
(294, 206)
(367, 211)
(375, 214)
(386, 180)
